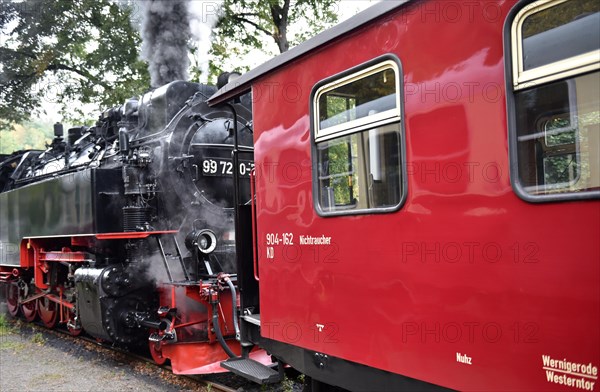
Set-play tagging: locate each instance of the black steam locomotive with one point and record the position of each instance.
(125, 229)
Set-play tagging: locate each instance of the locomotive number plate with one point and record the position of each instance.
(223, 167)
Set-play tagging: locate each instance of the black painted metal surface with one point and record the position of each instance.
(84, 202)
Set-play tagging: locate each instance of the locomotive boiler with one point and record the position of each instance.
(125, 229)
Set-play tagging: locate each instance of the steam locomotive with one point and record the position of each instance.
(125, 229)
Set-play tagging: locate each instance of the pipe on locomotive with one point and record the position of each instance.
(227, 280)
(217, 328)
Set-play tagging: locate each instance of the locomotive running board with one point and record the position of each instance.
(252, 370)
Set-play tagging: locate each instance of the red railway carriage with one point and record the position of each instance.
(426, 212)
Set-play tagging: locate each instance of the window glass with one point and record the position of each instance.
(566, 30)
(357, 141)
(559, 130)
(360, 171)
(558, 136)
(373, 94)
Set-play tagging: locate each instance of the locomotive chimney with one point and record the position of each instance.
(123, 142)
(58, 130)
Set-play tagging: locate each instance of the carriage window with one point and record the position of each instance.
(357, 140)
(556, 58)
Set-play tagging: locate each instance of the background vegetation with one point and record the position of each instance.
(73, 55)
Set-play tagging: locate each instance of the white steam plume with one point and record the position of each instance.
(203, 16)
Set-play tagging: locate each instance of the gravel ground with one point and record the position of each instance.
(33, 358)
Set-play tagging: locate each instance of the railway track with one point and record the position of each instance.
(91, 344)
(196, 379)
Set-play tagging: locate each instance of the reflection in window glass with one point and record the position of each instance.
(560, 169)
(358, 99)
(558, 136)
(566, 30)
(337, 173)
(360, 171)
(358, 154)
(559, 130)
(339, 109)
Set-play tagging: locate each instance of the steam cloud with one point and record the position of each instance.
(203, 17)
(168, 28)
(165, 35)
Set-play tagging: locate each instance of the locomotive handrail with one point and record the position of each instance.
(253, 219)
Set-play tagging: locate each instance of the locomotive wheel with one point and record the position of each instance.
(47, 312)
(29, 310)
(12, 299)
(156, 350)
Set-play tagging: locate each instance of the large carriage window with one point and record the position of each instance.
(357, 140)
(556, 57)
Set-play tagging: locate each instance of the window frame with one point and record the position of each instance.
(549, 72)
(356, 126)
(517, 80)
(368, 122)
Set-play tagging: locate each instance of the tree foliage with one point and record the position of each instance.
(558, 15)
(28, 135)
(77, 52)
(251, 24)
(64, 51)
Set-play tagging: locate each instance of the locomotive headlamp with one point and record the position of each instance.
(206, 241)
(203, 243)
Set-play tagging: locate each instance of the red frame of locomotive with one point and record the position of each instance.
(52, 309)
(186, 357)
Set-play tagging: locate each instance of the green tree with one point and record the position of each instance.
(558, 15)
(66, 51)
(249, 24)
(74, 52)
(28, 135)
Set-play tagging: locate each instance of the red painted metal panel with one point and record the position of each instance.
(465, 269)
(204, 358)
(197, 350)
(72, 257)
(131, 234)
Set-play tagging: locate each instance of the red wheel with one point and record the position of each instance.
(156, 350)
(12, 299)
(29, 310)
(47, 312)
